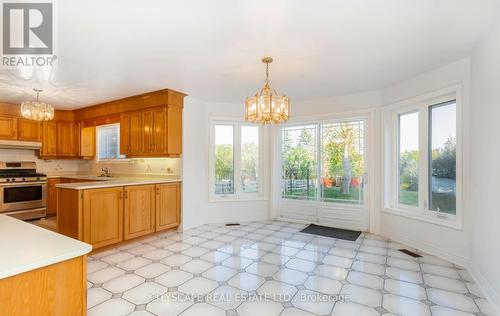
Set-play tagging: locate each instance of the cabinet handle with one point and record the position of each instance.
(126, 194)
(121, 195)
(157, 191)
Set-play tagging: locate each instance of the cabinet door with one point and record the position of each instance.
(49, 139)
(103, 216)
(174, 130)
(66, 146)
(8, 127)
(125, 134)
(139, 211)
(135, 133)
(168, 197)
(87, 142)
(147, 132)
(52, 195)
(29, 130)
(160, 131)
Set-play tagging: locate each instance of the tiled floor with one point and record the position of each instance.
(269, 268)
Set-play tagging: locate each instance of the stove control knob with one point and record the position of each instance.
(13, 180)
(8, 180)
(38, 178)
(24, 179)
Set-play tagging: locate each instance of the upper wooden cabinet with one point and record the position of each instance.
(153, 132)
(8, 127)
(49, 139)
(67, 140)
(14, 128)
(29, 130)
(87, 142)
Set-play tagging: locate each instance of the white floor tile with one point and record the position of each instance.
(260, 308)
(196, 266)
(198, 286)
(313, 302)
(96, 296)
(144, 293)
(323, 285)
(350, 309)
(404, 275)
(443, 283)
(163, 307)
(301, 265)
(263, 269)
(220, 273)
(403, 264)
(406, 289)
(237, 263)
(452, 300)
(365, 279)
(203, 309)
(331, 272)
(368, 267)
(173, 278)
(338, 261)
(157, 254)
(123, 283)
(277, 291)
(231, 297)
(440, 270)
(405, 306)
(105, 275)
(290, 276)
(295, 312)
(176, 260)
(362, 295)
(215, 256)
(115, 307)
(276, 259)
(444, 311)
(152, 270)
(246, 281)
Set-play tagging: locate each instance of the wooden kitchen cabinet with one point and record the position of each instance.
(52, 195)
(125, 134)
(49, 139)
(174, 130)
(103, 216)
(29, 130)
(87, 142)
(8, 127)
(168, 205)
(147, 132)
(67, 145)
(135, 147)
(160, 131)
(139, 212)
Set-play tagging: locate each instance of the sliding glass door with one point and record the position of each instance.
(323, 173)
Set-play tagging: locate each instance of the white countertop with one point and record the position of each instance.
(25, 247)
(113, 182)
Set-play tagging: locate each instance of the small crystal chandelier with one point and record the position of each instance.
(35, 110)
(267, 106)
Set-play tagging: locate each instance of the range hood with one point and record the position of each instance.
(16, 144)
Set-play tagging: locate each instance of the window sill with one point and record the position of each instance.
(216, 199)
(426, 217)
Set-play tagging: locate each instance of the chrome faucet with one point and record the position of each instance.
(105, 172)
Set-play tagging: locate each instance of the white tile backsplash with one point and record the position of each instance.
(146, 166)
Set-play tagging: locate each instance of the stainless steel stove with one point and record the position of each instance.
(23, 191)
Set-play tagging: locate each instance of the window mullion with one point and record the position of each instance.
(423, 182)
(237, 159)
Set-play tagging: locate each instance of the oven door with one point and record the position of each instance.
(14, 197)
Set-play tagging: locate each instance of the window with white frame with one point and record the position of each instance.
(236, 160)
(324, 162)
(108, 142)
(424, 168)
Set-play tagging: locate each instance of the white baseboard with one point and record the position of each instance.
(431, 249)
(486, 287)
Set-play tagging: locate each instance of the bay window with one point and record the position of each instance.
(235, 164)
(425, 159)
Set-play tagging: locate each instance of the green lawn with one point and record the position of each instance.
(445, 201)
(333, 193)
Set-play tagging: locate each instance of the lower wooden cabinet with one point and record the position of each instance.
(139, 211)
(103, 216)
(106, 216)
(168, 197)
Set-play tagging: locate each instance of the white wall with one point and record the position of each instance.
(195, 169)
(45, 166)
(450, 243)
(485, 167)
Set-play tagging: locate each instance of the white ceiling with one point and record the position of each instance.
(212, 49)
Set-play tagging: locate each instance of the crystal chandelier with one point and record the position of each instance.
(267, 106)
(36, 110)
